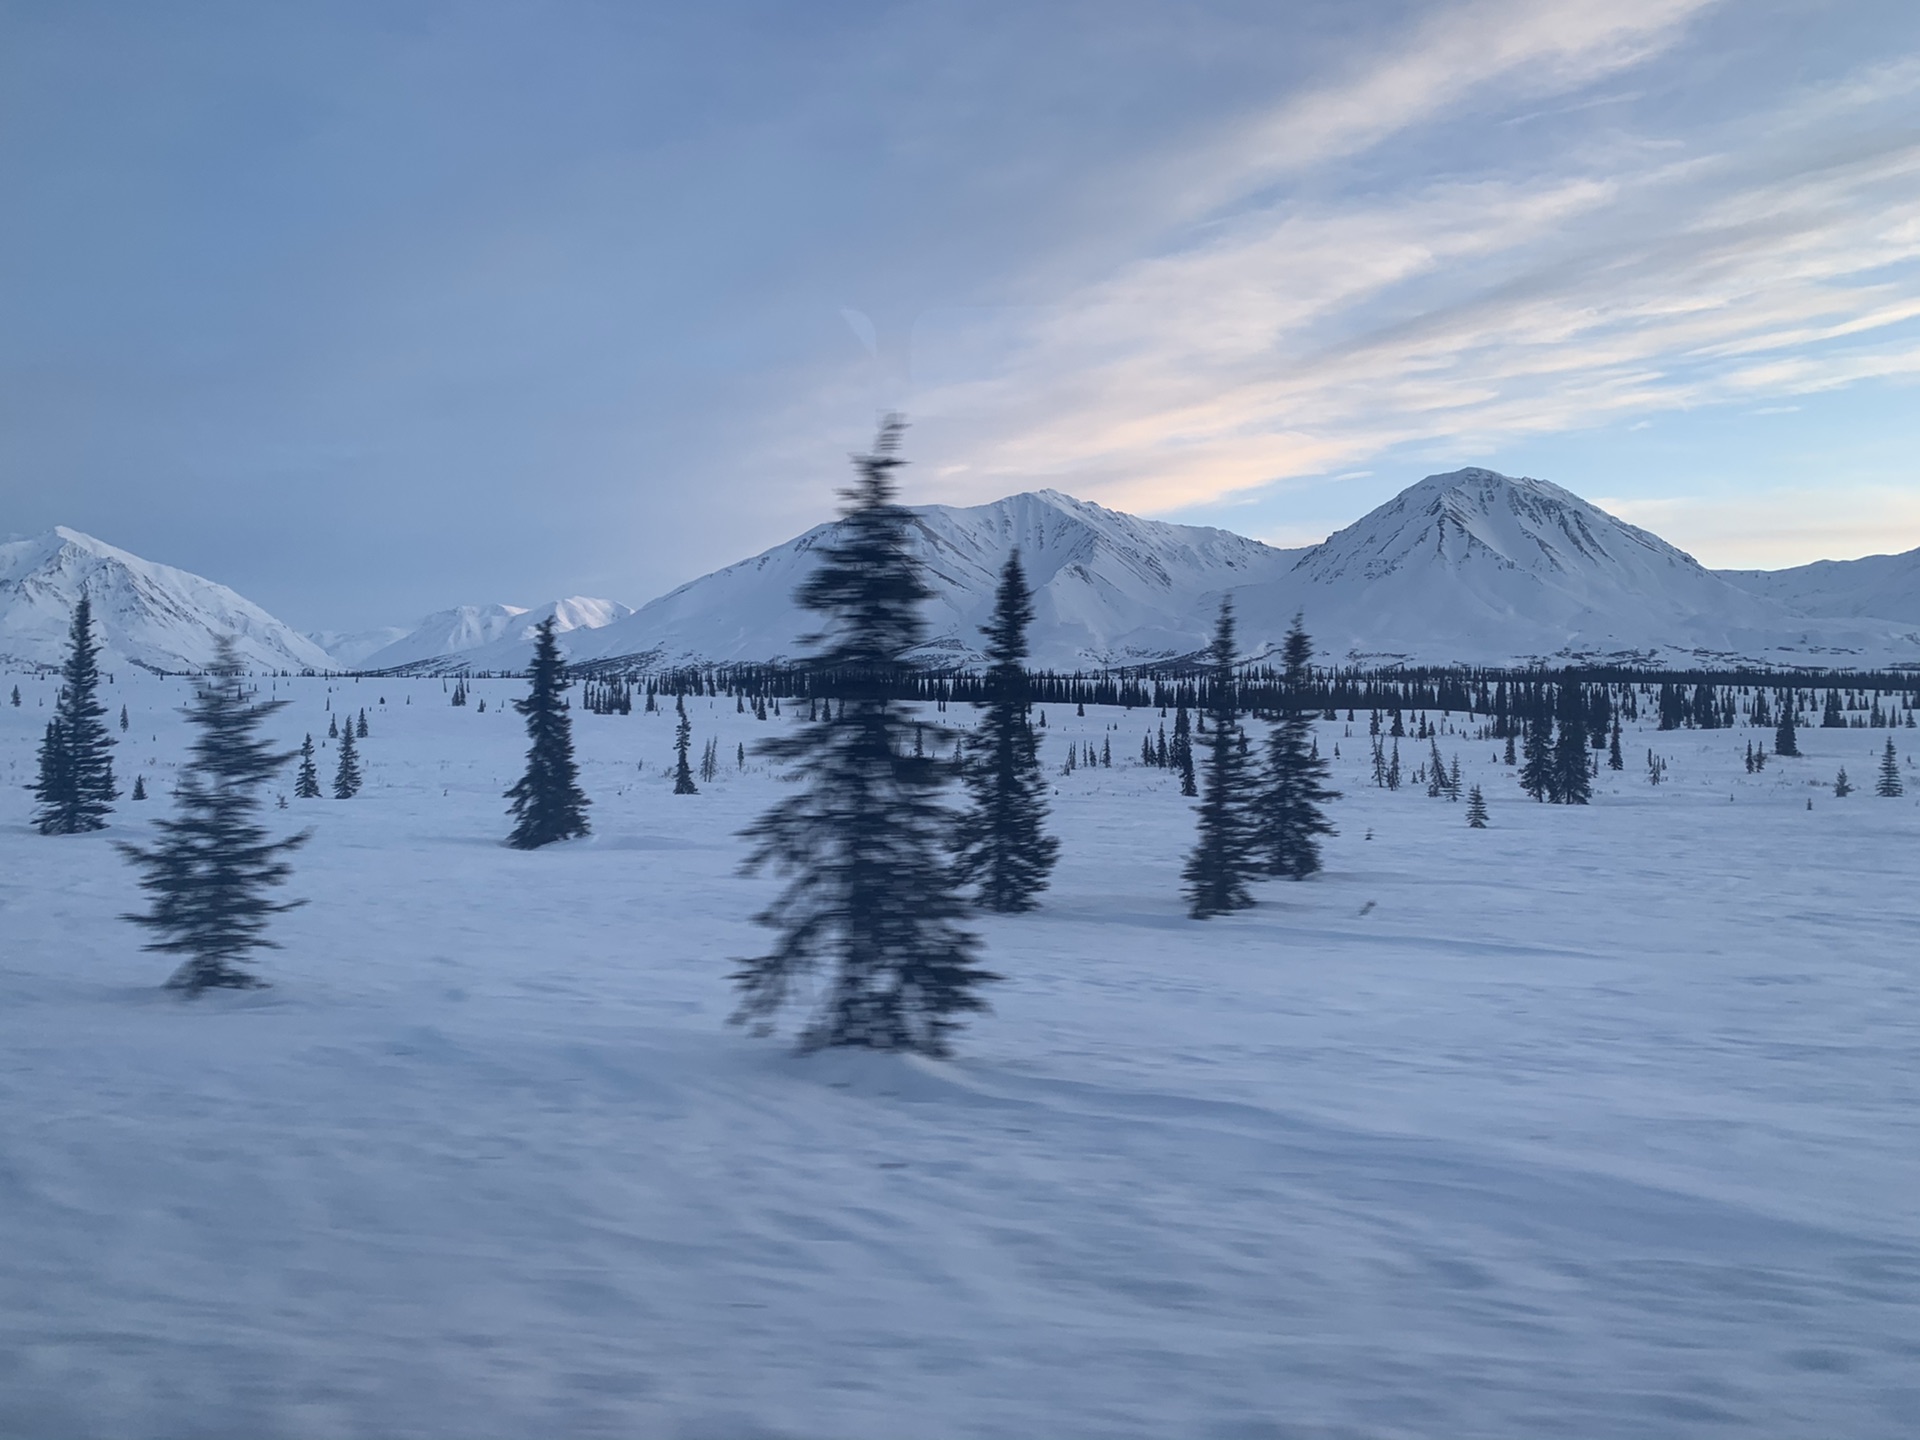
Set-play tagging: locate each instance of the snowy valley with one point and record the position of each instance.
(1592, 1118)
(1598, 1122)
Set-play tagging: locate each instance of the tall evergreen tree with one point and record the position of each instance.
(1181, 755)
(1288, 809)
(52, 789)
(1003, 849)
(548, 804)
(1572, 784)
(1226, 857)
(306, 783)
(682, 744)
(1888, 786)
(1786, 739)
(1537, 771)
(213, 864)
(346, 775)
(871, 895)
(76, 787)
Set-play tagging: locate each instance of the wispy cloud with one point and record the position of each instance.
(1309, 333)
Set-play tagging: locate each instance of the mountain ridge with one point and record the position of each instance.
(148, 614)
(1468, 566)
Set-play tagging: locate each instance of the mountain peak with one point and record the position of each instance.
(148, 614)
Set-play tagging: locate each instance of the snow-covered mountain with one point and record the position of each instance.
(490, 637)
(1109, 589)
(1466, 567)
(1885, 587)
(148, 614)
(349, 647)
(1478, 567)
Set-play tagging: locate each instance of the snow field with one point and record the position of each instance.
(1601, 1122)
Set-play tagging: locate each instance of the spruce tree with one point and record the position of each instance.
(1181, 755)
(52, 788)
(76, 787)
(1842, 787)
(682, 743)
(548, 804)
(1615, 760)
(210, 870)
(1888, 786)
(306, 783)
(1288, 808)
(1786, 740)
(1003, 849)
(1572, 784)
(1225, 858)
(871, 896)
(139, 788)
(346, 776)
(1476, 809)
(1537, 771)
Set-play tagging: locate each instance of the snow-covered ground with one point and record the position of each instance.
(1601, 1122)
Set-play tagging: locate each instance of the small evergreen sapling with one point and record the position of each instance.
(213, 865)
(548, 804)
(139, 787)
(1476, 809)
(1842, 787)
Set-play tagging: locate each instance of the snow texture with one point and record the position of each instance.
(1602, 1122)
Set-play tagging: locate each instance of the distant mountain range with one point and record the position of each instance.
(1467, 567)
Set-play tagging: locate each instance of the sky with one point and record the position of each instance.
(372, 309)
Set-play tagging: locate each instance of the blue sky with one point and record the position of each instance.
(371, 309)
